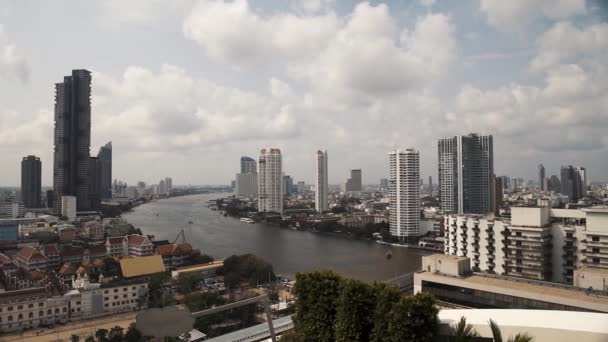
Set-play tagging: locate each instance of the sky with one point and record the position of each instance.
(184, 88)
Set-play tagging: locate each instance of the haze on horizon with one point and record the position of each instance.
(184, 88)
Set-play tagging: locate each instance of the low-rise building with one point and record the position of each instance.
(31, 308)
(94, 230)
(141, 266)
(29, 258)
(129, 245)
(448, 279)
(174, 255)
(51, 252)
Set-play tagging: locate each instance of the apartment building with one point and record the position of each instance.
(30, 258)
(130, 245)
(537, 242)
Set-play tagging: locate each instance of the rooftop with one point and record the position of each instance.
(201, 267)
(135, 267)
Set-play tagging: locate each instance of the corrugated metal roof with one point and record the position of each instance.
(135, 267)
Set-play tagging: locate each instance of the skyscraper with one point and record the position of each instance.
(104, 171)
(248, 165)
(430, 185)
(541, 177)
(31, 172)
(287, 185)
(246, 182)
(383, 184)
(353, 184)
(466, 166)
(169, 184)
(93, 178)
(573, 182)
(72, 139)
(321, 182)
(270, 181)
(404, 193)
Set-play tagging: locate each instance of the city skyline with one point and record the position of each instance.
(155, 106)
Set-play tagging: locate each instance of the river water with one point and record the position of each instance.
(289, 251)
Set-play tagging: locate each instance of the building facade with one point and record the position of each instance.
(404, 193)
(31, 173)
(72, 137)
(354, 183)
(573, 182)
(104, 172)
(466, 166)
(541, 178)
(270, 181)
(539, 243)
(321, 182)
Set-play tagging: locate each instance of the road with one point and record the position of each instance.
(81, 328)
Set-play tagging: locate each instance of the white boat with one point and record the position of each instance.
(247, 220)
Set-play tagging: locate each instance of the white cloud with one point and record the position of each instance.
(516, 15)
(313, 6)
(233, 32)
(565, 43)
(12, 64)
(169, 109)
(118, 13)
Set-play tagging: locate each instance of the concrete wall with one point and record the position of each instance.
(530, 217)
(446, 264)
(597, 221)
(595, 279)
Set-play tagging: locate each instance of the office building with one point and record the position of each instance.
(498, 195)
(69, 207)
(31, 173)
(431, 186)
(246, 185)
(270, 181)
(554, 184)
(248, 165)
(287, 185)
(72, 137)
(246, 182)
(466, 166)
(11, 209)
(540, 243)
(404, 193)
(162, 187)
(321, 183)
(104, 172)
(383, 184)
(541, 178)
(94, 198)
(450, 279)
(301, 187)
(353, 184)
(169, 184)
(573, 182)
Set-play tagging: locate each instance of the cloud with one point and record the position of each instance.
(117, 13)
(566, 42)
(516, 15)
(171, 110)
(12, 64)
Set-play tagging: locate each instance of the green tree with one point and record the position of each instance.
(462, 331)
(386, 297)
(316, 305)
(246, 268)
(89, 339)
(292, 337)
(116, 334)
(355, 309)
(497, 334)
(133, 335)
(74, 338)
(102, 335)
(413, 318)
(186, 283)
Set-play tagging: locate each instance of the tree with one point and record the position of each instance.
(74, 338)
(133, 335)
(386, 297)
(186, 283)
(292, 336)
(101, 334)
(89, 339)
(497, 334)
(316, 305)
(245, 268)
(413, 318)
(116, 334)
(354, 311)
(462, 331)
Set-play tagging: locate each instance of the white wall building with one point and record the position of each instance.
(321, 182)
(270, 181)
(404, 193)
(68, 207)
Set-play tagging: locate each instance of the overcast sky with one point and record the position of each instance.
(184, 88)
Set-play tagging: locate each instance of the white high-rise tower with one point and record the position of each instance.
(321, 182)
(270, 181)
(404, 193)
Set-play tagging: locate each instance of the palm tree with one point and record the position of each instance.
(463, 332)
(519, 337)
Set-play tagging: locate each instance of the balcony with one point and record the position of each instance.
(491, 249)
(490, 239)
(568, 247)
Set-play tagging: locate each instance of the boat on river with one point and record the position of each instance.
(247, 220)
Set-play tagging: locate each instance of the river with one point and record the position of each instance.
(289, 251)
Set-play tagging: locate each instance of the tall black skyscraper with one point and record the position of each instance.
(541, 177)
(31, 171)
(72, 139)
(573, 182)
(466, 166)
(104, 171)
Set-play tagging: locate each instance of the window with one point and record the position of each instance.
(10, 318)
(596, 260)
(10, 308)
(20, 317)
(106, 291)
(115, 290)
(596, 250)
(65, 309)
(595, 238)
(49, 312)
(30, 305)
(40, 313)
(20, 307)
(31, 315)
(40, 304)
(56, 310)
